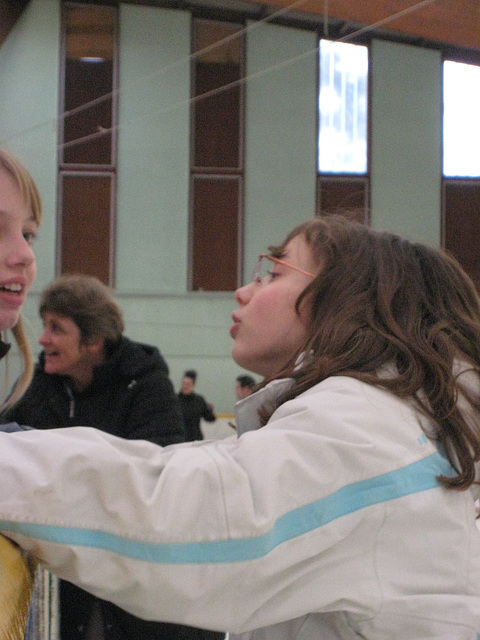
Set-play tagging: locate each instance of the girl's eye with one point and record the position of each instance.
(30, 236)
(272, 275)
(53, 328)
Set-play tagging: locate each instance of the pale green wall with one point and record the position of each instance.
(153, 150)
(29, 64)
(406, 140)
(192, 331)
(191, 328)
(280, 147)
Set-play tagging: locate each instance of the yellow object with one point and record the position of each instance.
(16, 582)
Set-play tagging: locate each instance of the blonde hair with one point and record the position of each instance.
(31, 196)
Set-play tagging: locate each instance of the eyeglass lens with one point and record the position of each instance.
(262, 269)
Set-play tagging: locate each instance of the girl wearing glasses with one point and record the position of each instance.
(344, 509)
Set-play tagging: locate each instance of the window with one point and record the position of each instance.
(461, 106)
(461, 164)
(216, 155)
(87, 145)
(342, 139)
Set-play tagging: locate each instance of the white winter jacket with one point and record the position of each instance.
(327, 523)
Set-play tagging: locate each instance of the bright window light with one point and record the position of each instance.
(461, 124)
(342, 144)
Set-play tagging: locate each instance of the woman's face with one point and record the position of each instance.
(267, 330)
(17, 260)
(63, 349)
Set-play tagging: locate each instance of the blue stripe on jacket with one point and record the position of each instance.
(414, 478)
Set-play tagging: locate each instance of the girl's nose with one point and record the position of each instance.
(243, 294)
(21, 253)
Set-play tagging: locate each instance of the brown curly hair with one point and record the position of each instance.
(381, 301)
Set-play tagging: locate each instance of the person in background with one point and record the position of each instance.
(244, 386)
(346, 506)
(194, 407)
(89, 373)
(20, 217)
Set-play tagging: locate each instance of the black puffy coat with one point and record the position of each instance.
(130, 396)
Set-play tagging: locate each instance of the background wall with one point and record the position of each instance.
(29, 70)
(192, 328)
(406, 143)
(153, 150)
(280, 164)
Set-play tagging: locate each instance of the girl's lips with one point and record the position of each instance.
(234, 330)
(11, 298)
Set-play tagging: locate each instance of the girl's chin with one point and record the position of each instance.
(8, 319)
(249, 364)
(240, 357)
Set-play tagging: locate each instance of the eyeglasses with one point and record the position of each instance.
(262, 268)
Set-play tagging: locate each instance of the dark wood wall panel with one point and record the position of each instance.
(215, 229)
(462, 226)
(86, 225)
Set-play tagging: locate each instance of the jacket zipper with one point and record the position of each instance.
(71, 404)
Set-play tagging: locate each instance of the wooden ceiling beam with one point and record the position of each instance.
(454, 22)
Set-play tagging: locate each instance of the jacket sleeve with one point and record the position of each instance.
(233, 534)
(152, 411)
(207, 412)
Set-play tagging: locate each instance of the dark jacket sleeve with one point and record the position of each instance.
(154, 412)
(207, 413)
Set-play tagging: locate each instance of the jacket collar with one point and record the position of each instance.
(246, 410)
